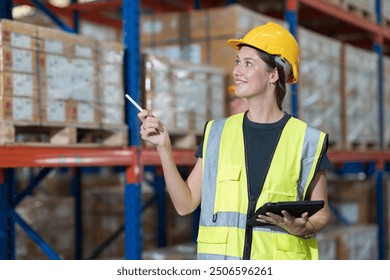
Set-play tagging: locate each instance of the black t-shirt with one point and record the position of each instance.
(261, 140)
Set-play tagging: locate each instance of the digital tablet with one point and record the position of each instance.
(295, 208)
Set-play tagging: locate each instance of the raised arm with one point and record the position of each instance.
(185, 195)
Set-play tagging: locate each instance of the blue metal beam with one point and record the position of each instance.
(76, 19)
(378, 48)
(4, 219)
(131, 21)
(78, 215)
(32, 185)
(34, 236)
(159, 187)
(292, 19)
(380, 214)
(131, 14)
(133, 236)
(6, 9)
(52, 16)
(197, 4)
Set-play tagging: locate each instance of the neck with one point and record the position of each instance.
(264, 110)
(265, 117)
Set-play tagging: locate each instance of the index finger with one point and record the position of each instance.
(142, 115)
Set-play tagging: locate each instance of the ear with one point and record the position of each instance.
(274, 76)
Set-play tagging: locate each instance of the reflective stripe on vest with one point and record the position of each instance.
(224, 191)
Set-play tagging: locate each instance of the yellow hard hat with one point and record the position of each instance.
(273, 39)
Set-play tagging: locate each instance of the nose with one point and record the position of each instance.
(236, 70)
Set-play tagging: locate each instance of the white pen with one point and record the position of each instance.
(134, 103)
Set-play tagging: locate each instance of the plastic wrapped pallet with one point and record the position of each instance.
(183, 95)
(67, 72)
(18, 78)
(200, 36)
(361, 97)
(110, 61)
(319, 83)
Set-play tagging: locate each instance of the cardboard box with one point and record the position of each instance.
(19, 110)
(351, 201)
(200, 36)
(361, 95)
(112, 114)
(69, 113)
(356, 242)
(110, 68)
(18, 84)
(55, 41)
(320, 87)
(183, 95)
(17, 60)
(53, 219)
(16, 34)
(64, 78)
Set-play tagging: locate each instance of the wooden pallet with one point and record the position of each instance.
(16, 134)
(362, 146)
(354, 8)
(363, 13)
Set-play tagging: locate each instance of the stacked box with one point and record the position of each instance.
(361, 97)
(67, 75)
(199, 36)
(103, 216)
(320, 83)
(355, 242)
(351, 201)
(386, 101)
(111, 88)
(327, 246)
(18, 78)
(183, 95)
(52, 218)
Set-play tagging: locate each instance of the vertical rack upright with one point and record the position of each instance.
(291, 15)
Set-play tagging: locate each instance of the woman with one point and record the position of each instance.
(262, 155)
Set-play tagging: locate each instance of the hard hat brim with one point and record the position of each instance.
(234, 43)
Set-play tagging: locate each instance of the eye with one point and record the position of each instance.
(248, 64)
(237, 62)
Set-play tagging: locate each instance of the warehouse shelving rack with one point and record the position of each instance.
(381, 34)
(134, 158)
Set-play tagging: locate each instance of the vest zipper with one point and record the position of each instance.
(246, 255)
(253, 200)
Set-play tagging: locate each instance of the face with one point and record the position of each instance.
(251, 73)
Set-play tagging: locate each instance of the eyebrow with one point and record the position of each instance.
(246, 58)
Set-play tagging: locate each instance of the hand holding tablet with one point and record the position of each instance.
(294, 208)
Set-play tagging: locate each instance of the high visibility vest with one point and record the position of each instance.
(224, 204)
